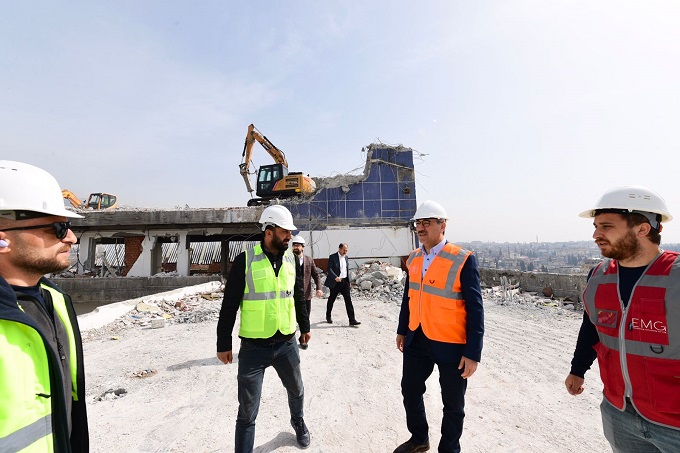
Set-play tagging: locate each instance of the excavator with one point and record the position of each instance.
(273, 181)
(97, 201)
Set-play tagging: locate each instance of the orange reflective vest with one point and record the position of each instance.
(436, 300)
(639, 348)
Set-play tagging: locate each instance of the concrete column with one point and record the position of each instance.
(155, 256)
(183, 254)
(86, 253)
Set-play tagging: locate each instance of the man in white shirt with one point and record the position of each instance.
(338, 282)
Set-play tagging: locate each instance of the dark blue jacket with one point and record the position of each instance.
(334, 269)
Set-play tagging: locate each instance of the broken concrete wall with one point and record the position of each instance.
(101, 291)
(385, 194)
(562, 285)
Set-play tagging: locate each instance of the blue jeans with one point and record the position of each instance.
(417, 368)
(628, 432)
(253, 359)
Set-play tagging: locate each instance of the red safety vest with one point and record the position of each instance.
(436, 301)
(639, 348)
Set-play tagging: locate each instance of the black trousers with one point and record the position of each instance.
(418, 366)
(341, 288)
(308, 303)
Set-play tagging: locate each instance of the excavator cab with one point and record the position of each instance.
(94, 201)
(273, 181)
(268, 176)
(101, 201)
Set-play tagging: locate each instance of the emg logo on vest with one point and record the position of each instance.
(648, 325)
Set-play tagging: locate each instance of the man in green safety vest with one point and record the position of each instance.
(42, 381)
(264, 284)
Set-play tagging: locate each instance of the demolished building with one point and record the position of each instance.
(369, 211)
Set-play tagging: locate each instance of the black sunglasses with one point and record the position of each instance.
(60, 228)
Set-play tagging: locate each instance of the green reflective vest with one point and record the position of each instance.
(268, 304)
(25, 387)
(59, 304)
(26, 410)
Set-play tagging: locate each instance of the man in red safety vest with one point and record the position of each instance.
(632, 323)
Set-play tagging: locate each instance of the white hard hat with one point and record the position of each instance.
(430, 210)
(632, 199)
(24, 187)
(298, 240)
(277, 215)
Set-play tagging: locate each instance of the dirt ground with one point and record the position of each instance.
(180, 398)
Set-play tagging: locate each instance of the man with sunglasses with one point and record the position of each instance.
(264, 283)
(441, 323)
(42, 380)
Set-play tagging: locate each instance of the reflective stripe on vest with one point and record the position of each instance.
(435, 300)
(639, 349)
(25, 409)
(59, 304)
(268, 304)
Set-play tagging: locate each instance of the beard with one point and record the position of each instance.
(298, 252)
(36, 264)
(626, 247)
(279, 244)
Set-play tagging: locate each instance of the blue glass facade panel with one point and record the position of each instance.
(318, 210)
(387, 173)
(379, 198)
(371, 191)
(373, 176)
(355, 193)
(334, 193)
(390, 205)
(355, 209)
(410, 189)
(372, 209)
(389, 191)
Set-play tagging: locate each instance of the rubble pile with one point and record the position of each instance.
(515, 297)
(156, 313)
(378, 280)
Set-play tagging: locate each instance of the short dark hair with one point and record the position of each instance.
(342, 244)
(634, 219)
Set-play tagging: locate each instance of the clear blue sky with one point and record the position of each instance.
(524, 112)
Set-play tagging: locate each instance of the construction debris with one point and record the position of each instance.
(111, 394)
(157, 313)
(378, 280)
(144, 373)
(373, 280)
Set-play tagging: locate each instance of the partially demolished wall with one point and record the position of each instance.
(385, 195)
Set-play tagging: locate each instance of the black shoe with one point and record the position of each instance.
(354, 323)
(302, 433)
(329, 320)
(412, 447)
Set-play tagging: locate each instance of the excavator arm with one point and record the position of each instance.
(252, 136)
(70, 196)
(95, 201)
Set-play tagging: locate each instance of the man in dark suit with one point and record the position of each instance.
(441, 323)
(338, 282)
(309, 272)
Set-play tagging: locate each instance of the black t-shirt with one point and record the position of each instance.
(584, 354)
